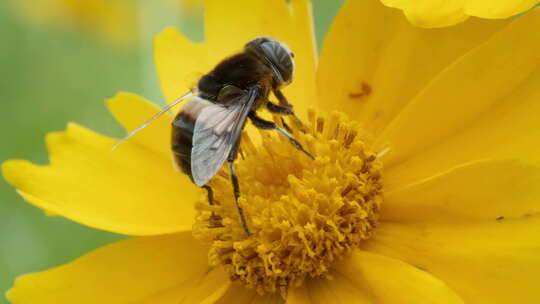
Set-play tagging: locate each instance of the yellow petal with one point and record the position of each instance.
(497, 9)
(299, 295)
(180, 62)
(157, 269)
(393, 281)
(440, 13)
(484, 262)
(217, 288)
(338, 289)
(462, 94)
(431, 13)
(481, 190)
(238, 293)
(131, 190)
(374, 62)
(209, 289)
(131, 111)
(508, 129)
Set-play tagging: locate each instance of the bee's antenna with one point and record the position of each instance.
(146, 123)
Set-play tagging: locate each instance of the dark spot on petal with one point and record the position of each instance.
(500, 218)
(365, 90)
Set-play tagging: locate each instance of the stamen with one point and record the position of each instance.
(304, 213)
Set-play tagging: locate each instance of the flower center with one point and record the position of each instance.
(304, 213)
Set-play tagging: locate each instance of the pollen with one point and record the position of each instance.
(304, 214)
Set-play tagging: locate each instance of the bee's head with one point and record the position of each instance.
(276, 55)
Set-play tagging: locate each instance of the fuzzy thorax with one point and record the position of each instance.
(304, 213)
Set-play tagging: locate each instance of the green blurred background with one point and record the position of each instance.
(55, 73)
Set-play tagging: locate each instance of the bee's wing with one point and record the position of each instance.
(217, 131)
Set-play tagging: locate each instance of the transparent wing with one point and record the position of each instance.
(217, 130)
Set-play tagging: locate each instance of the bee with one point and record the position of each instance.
(206, 132)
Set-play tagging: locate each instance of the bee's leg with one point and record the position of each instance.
(269, 125)
(213, 216)
(274, 108)
(253, 93)
(236, 189)
(282, 110)
(210, 194)
(282, 99)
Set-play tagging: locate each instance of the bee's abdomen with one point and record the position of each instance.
(182, 133)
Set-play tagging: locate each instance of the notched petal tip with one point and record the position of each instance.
(171, 32)
(15, 172)
(172, 36)
(87, 183)
(16, 293)
(11, 170)
(11, 294)
(119, 97)
(178, 59)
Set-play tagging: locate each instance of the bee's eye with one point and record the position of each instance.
(292, 54)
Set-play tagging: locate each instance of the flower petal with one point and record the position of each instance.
(484, 262)
(338, 289)
(431, 13)
(393, 281)
(481, 190)
(217, 288)
(131, 190)
(157, 269)
(131, 111)
(509, 129)
(208, 289)
(238, 293)
(180, 62)
(374, 62)
(458, 97)
(298, 295)
(439, 13)
(365, 277)
(497, 9)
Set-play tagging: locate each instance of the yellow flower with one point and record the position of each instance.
(110, 20)
(440, 13)
(452, 114)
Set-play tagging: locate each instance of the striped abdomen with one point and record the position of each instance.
(182, 133)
